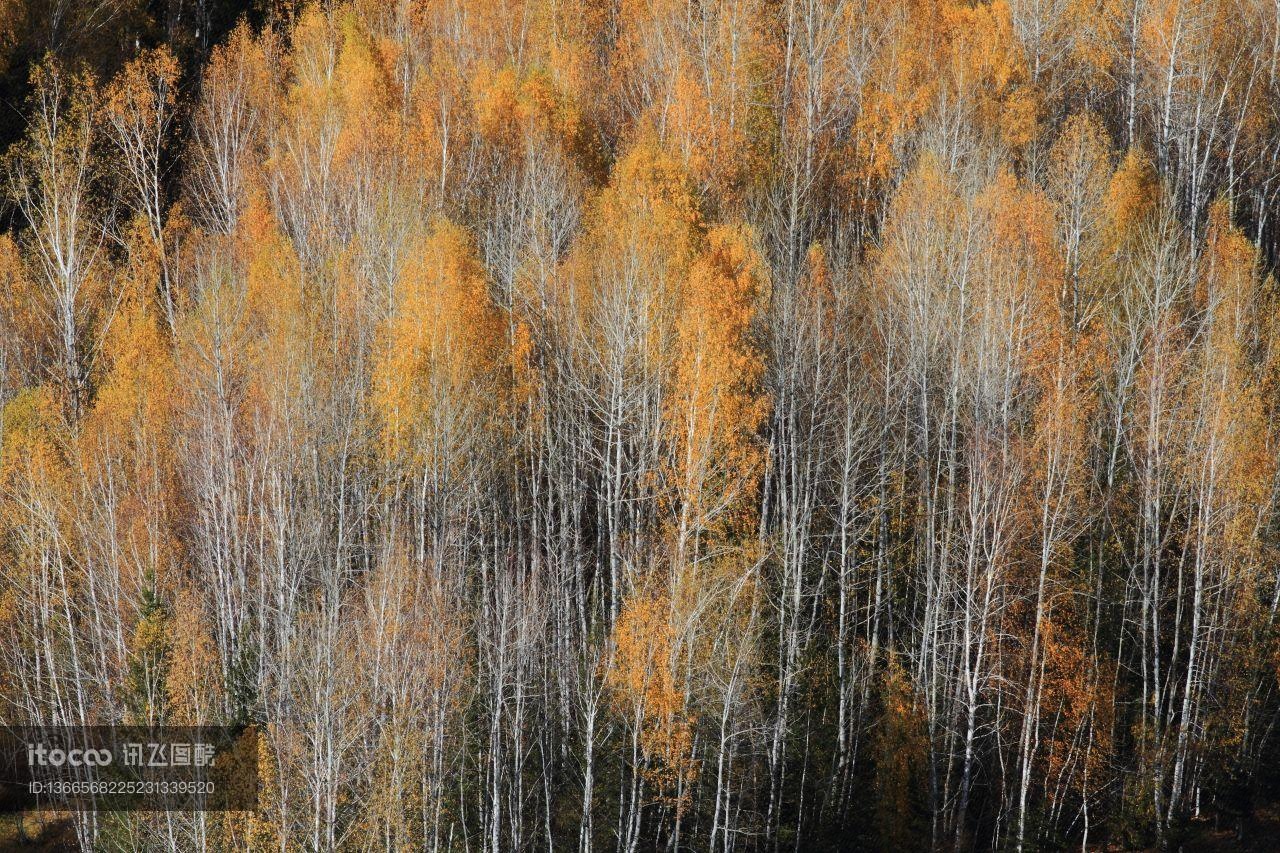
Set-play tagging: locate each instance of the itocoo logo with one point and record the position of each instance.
(41, 755)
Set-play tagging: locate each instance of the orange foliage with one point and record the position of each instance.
(442, 342)
(643, 683)
(716, 405)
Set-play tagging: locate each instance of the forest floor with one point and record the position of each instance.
(34, 834)
(1261, 834)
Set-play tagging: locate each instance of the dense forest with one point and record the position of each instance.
(727, 425)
